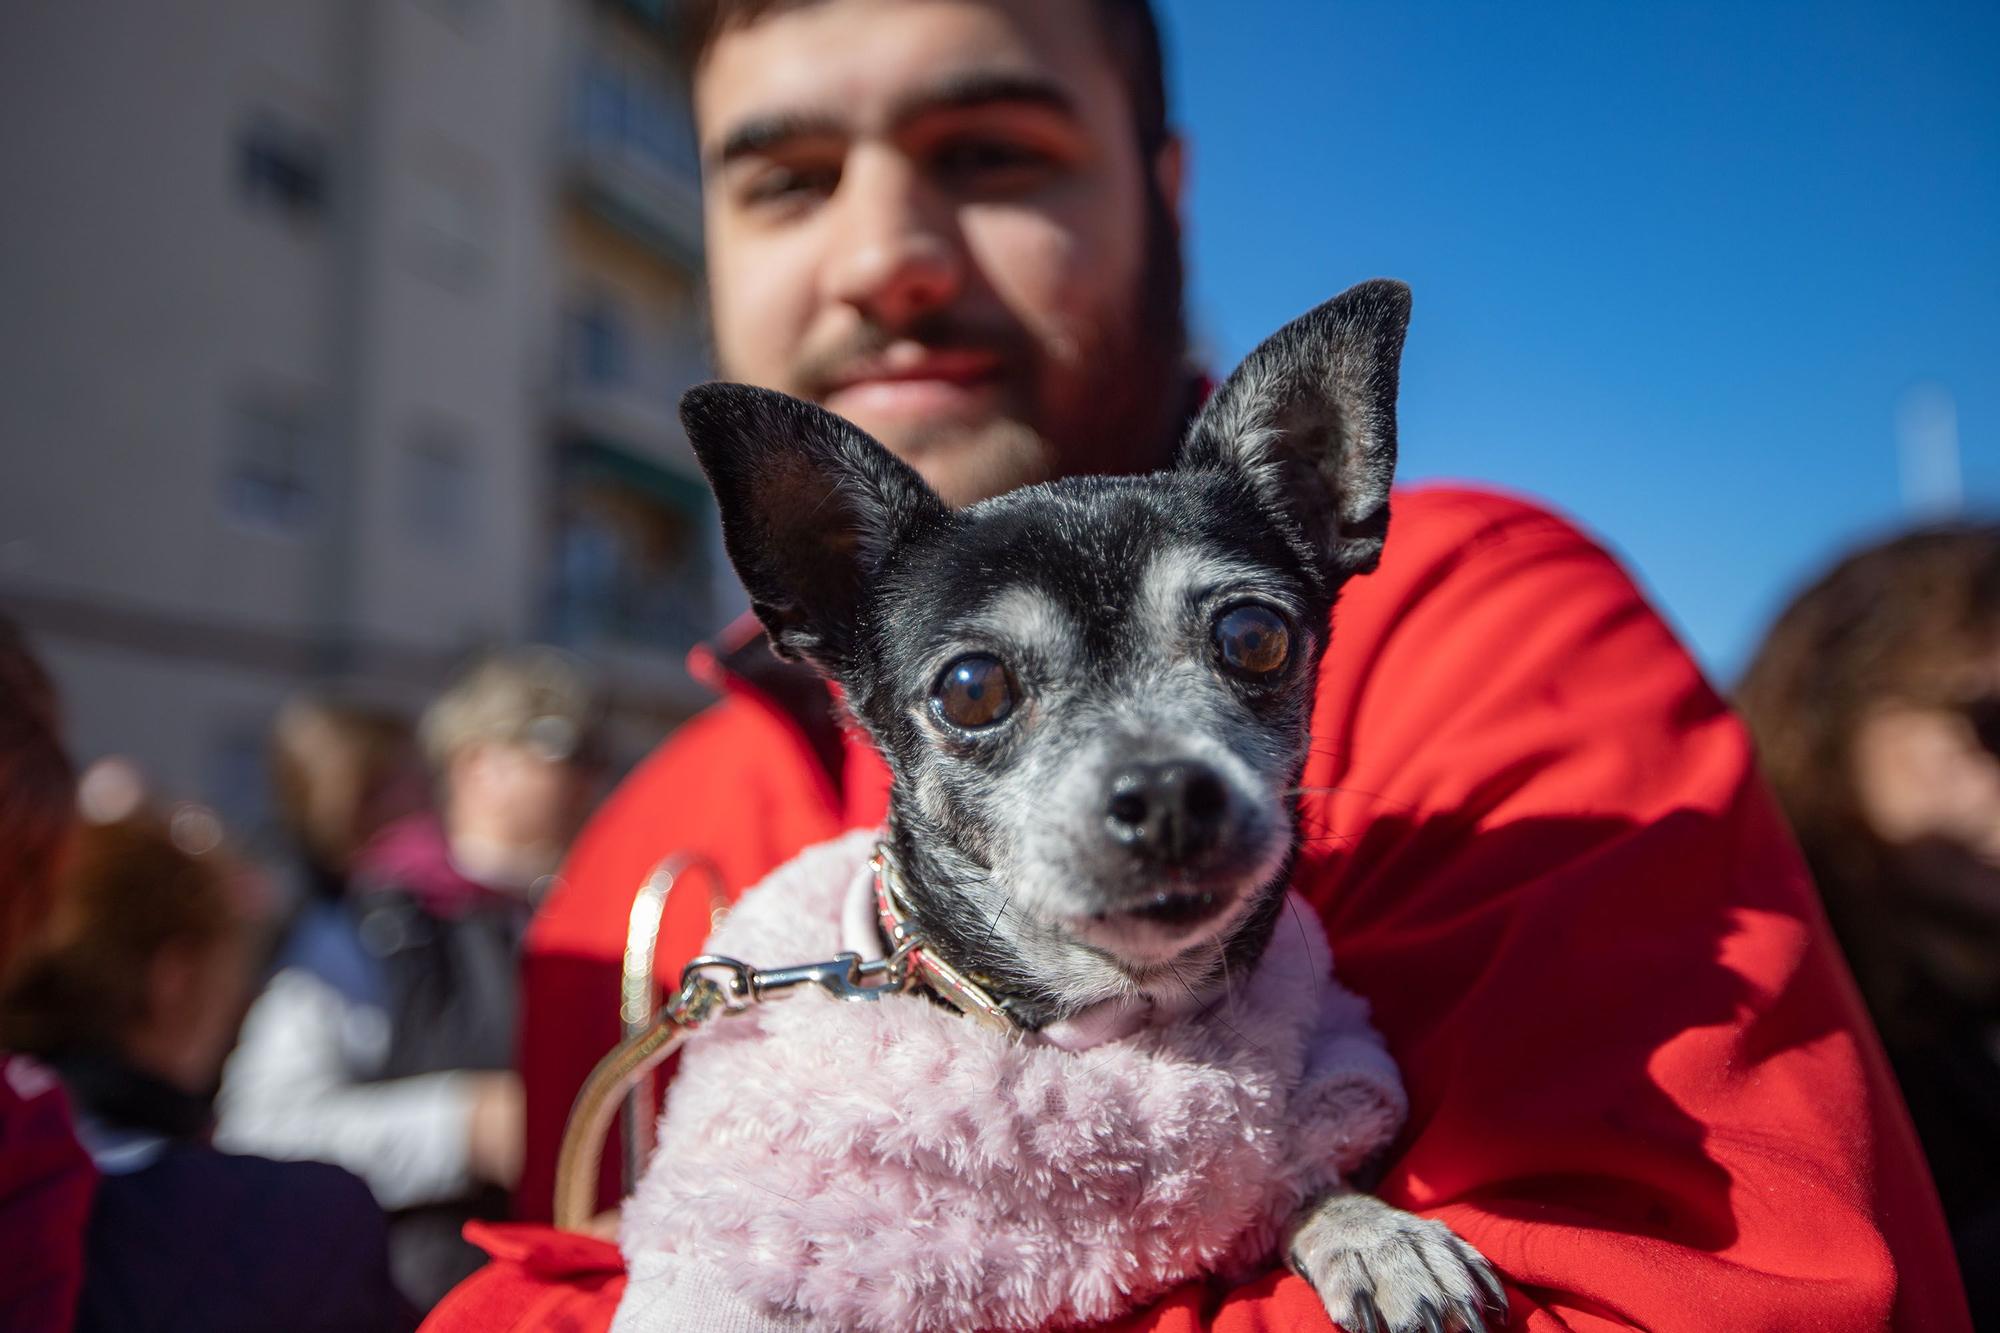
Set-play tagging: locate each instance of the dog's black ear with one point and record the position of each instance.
(811, 506)
(1310, 419)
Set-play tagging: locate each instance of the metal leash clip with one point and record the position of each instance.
(844, 976)
(712, 986)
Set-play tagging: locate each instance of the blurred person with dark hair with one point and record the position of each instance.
(37, 791)
(1875, 703)
(341, 772)
(1537, 840)
(384, 1041)
(46, 1178)
(133, 996)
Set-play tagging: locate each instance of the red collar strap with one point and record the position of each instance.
(958, 989)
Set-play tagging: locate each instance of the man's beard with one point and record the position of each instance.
(1134, 398)
(1108, 396)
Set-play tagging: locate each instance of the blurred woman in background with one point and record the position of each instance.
(1875, 703)
(133, 995)
(384, 1041)
(341, 772)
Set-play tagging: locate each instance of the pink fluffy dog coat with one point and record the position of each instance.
(893, 1165)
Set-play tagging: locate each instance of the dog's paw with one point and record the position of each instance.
(1382, 1270)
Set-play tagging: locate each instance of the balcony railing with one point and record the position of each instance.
(634, 552)
(616, 380)
(631, 156)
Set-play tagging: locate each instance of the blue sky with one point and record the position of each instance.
(1677, 266)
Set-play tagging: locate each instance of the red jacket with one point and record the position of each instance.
(46, 1183)
(1641, 1082)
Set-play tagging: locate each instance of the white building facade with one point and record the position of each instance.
(339, 338)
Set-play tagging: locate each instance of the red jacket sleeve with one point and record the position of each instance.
(1641, 1082)
(46, 1184)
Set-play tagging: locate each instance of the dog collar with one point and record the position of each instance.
(960, 990)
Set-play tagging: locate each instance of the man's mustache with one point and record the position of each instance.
(821, 369)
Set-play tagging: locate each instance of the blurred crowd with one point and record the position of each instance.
(291, 1084)
(280, 1091)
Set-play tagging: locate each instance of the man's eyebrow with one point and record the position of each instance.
(760, 134)
(983, 87)
(957, 92)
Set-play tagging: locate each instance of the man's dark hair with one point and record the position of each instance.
(1128, 28)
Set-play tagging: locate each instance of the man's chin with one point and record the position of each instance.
(966, 461)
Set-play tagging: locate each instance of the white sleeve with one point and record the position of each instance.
(294, 1089)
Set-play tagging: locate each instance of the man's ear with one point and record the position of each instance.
(1309, 420)
(811, 507)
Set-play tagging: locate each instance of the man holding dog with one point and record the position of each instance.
(1640, 1082)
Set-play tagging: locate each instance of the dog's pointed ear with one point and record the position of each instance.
(811, 507)
(1309, 419)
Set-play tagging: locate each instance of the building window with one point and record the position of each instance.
(440, 488)
(635, 111)
(664, 133)
(652, 12)
(281, 166)
(600, 344)
(631, 557)
(237, 781)
(463, 16)
(601, 103)
(268, 479)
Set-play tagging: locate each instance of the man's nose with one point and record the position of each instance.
(893, 253)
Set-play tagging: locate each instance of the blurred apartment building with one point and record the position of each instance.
(338, 337)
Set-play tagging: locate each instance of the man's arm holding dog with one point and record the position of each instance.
(1640, 1081)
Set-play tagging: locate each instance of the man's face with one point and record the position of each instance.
(932, 217)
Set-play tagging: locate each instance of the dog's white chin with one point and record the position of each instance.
(1088, 953)
(1147, 947)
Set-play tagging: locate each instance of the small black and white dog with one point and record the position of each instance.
(1094, 696)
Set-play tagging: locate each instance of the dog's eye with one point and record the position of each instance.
(974, 692)
(1252, 640)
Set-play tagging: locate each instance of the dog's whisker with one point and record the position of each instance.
(1351, 791)
(1209, 1009)
(994, 924)
(1292, 906)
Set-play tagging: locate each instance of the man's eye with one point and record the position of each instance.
(1252, 640)
(791, 185)
(992, 163)
(974, 692)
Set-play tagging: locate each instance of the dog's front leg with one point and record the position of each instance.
(1381, 1270)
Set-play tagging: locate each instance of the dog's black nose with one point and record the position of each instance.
(1170, 812)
